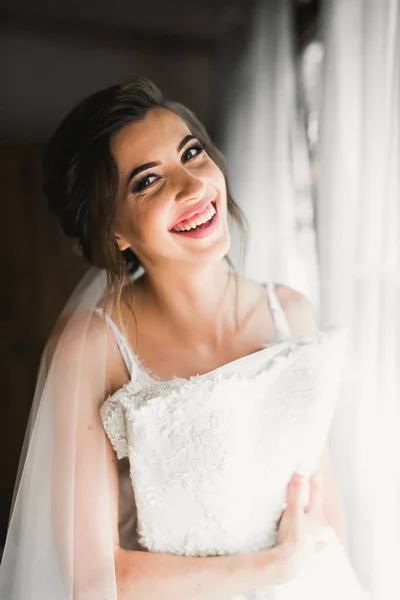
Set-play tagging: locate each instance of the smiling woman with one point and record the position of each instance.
(204, 396)
(110, 131)
(161, 194)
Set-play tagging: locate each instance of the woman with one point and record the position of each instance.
(136, 180)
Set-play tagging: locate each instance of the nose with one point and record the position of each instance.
(189, 187)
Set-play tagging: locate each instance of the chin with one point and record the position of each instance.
(221, 247)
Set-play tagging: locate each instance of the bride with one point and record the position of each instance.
(135, 179)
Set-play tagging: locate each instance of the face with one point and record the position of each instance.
(171, 205)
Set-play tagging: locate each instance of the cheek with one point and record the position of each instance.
(219, 180)
(144, 220)
(217, 175)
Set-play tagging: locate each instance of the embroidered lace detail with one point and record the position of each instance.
(200, 448)
(113, 419)
(210, 457)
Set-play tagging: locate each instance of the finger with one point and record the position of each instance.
(314, 491)
(294, 493)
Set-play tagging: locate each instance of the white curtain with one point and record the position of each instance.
(342, 252)
(358, 226)
(262, 136)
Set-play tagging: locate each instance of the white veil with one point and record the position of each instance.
(63, 525)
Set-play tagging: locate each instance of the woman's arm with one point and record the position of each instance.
(151, 576)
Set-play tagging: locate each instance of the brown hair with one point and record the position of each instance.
(80, 175)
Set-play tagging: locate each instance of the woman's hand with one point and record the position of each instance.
(302, 532)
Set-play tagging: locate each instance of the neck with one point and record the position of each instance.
(195, 304)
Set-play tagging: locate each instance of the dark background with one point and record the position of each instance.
(53, 54)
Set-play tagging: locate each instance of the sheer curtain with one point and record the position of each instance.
(358, 229)
(342, 252)
(262, 135)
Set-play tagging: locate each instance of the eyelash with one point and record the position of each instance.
(139, 186)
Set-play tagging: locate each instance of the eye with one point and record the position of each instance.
(144, 183)
(141, 184)
(197, 146)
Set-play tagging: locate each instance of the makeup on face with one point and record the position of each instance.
(168, 201)
(197, 222)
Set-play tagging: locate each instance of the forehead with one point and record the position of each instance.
(161, 129)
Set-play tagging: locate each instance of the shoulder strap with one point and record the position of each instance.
(281, 325)
(121, 341)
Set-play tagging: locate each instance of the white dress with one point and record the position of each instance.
(210, 457)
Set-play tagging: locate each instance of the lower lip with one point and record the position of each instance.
(204, 232)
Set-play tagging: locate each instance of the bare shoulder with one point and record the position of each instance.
(84, 339)
(299, 310)
(71, 332)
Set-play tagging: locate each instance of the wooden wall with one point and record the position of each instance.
(38, 273)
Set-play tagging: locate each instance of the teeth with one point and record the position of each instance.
(193, 224)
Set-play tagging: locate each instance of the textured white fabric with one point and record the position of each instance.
(210, 457)
(358, 225)
(261, 133)
(127, 522)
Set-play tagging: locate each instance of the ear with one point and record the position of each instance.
(122, 243)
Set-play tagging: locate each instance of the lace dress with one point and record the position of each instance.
(210, 457)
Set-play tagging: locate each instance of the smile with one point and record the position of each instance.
(201, 225)
(196, 221)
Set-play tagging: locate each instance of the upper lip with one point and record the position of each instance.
(194, 210)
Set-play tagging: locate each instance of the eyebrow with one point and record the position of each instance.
(149, 165)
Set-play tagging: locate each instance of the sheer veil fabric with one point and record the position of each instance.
(61, 537)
